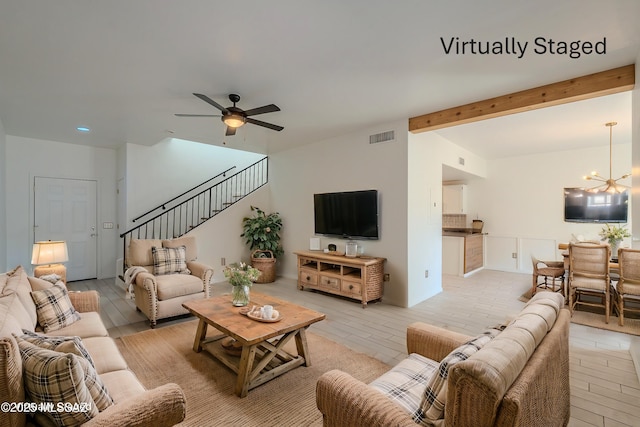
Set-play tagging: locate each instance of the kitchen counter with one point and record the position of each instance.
(462, 252)
(457, 232)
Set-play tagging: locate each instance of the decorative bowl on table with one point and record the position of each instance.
(231, 346)
(257, 313)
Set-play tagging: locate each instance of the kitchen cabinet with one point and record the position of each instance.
(454, 199)
(462, 253)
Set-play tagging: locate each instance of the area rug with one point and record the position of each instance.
(163, 355)
(594, 317)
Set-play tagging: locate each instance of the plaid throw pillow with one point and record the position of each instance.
(52, 377)
(404, 383)
(94, 384)
(54, 308)
(169, 260)
(435, 394)
(71, 345)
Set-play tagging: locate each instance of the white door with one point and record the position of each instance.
(66, 209)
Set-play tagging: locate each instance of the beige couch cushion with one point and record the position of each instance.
(105, 354)
(13, 306)
(501, 360)
(177, 285)
(139, 252)
(546, 305)
(9, 324)
(18, 283)
(187, 241)
(89, 325)
(122, 385)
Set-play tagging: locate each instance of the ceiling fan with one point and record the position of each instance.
(234, 117)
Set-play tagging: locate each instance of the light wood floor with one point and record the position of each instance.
(605, 390)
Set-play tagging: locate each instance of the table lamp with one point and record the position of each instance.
(48, 255)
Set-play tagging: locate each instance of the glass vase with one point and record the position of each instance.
(240, 295)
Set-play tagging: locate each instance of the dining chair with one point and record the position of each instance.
(628, 287)
(551, 271)
(589, 275)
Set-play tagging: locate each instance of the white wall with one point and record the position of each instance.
(3, 200)
(427, 153)
(522, 202)
(220, 237)
(26, 158)
(157, 173)
(346, 163)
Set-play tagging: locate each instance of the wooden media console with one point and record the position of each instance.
(358, 278)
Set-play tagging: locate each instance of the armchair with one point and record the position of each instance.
(164, 274)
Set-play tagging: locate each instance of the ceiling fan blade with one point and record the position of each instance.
(208, 100)
(230, 131)
(198, 115)
(264, 124)
(261, 110)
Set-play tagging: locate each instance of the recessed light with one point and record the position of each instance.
(83, 129)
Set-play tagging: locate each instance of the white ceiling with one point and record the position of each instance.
(123, 68)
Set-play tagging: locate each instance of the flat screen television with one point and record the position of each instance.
(348, 214)
(581, 205)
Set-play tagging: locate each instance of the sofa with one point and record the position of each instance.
(165, 273)
(38, 364)
(513, 375)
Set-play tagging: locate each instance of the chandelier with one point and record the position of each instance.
(610, 185)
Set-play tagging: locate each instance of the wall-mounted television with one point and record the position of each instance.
(348, 214)
(582, 205)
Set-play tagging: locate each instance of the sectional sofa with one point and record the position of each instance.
(58, 365)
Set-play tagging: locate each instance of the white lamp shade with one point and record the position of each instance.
(49, 252)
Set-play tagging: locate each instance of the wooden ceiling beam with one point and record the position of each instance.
(593, 85)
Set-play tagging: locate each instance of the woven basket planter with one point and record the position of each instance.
(267, 267)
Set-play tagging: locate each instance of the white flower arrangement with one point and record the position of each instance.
(241, 274)
(614, 234)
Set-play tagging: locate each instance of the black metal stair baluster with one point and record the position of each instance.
(197, 209)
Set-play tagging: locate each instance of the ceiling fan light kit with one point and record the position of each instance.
(233, 120)
(610, 185)
(234, 117)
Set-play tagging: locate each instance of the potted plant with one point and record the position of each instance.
(262, 234)
(614, 234)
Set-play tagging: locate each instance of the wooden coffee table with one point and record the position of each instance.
(263, 356)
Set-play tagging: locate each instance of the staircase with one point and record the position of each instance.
(189, 210)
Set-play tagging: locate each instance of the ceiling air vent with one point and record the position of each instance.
(387, 136)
